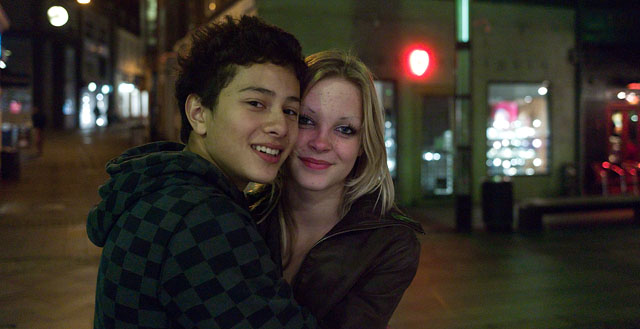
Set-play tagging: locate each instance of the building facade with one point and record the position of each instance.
(553, 90)
(69, 60)
(516, 49)
(552, 87)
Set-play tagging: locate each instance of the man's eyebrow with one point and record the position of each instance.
(269, 92)
(259, 89)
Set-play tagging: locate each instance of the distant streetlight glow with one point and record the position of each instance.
(126, 87)
(84, 2)
(58, 16)
(543, 90)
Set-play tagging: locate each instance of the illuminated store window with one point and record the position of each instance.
(518, 129)
(436, 169)
(386, 97)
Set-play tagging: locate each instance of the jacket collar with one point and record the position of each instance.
(364, 215)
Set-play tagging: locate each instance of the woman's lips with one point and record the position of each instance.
(315, 163)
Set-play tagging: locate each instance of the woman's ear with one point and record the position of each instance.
(196, 114)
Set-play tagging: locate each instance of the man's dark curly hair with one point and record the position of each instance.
(217, 51)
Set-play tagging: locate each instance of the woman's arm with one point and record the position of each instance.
(375, 296)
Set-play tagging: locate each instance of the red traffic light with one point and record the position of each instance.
(417, 60)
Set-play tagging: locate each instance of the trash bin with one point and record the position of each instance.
(10, 164)
(9, 135)
(497, 205)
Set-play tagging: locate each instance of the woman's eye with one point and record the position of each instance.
(346, 130)
(304, 120)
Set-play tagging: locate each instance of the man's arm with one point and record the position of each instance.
(218, 274)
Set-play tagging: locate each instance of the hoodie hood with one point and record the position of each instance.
(147, 169)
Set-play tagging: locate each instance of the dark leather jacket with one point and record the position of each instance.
(355, 276)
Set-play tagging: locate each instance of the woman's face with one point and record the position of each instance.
(329, 135)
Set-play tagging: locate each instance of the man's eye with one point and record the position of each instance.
(291, 112)
(256, 104)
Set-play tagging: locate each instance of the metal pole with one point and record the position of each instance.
(462, 120)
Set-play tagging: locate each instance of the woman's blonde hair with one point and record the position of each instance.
(370, 172)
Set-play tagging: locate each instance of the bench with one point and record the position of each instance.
(530, 211)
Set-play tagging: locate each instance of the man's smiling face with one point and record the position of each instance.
(254, 124)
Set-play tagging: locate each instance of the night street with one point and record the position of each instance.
(571, 276)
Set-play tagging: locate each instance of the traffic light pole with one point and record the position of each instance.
(462, 120)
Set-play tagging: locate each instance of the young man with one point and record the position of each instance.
(180, 248)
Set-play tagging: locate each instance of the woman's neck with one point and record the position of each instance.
(314, 213)
(314, 209)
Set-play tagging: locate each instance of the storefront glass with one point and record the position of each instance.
(386, 97)
(436, 170)
(518, 129)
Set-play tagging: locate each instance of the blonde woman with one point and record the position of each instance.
(331, 221)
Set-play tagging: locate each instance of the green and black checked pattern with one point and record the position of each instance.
(180, 249)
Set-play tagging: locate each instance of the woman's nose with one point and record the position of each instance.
(320, 142)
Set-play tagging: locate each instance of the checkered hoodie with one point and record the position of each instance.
(180, 249)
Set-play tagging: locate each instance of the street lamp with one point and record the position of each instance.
(58, 16)
(84, 2)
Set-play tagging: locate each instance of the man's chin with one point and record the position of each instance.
(264, 179)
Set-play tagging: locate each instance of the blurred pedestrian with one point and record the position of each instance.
(38, 121)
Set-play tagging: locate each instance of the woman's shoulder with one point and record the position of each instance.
(367, 210)
(399, 218)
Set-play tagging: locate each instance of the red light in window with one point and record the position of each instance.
(634, 86)
(618, 170)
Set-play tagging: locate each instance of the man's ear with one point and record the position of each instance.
(196, 114)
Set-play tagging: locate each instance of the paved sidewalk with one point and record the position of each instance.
(48, 266)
